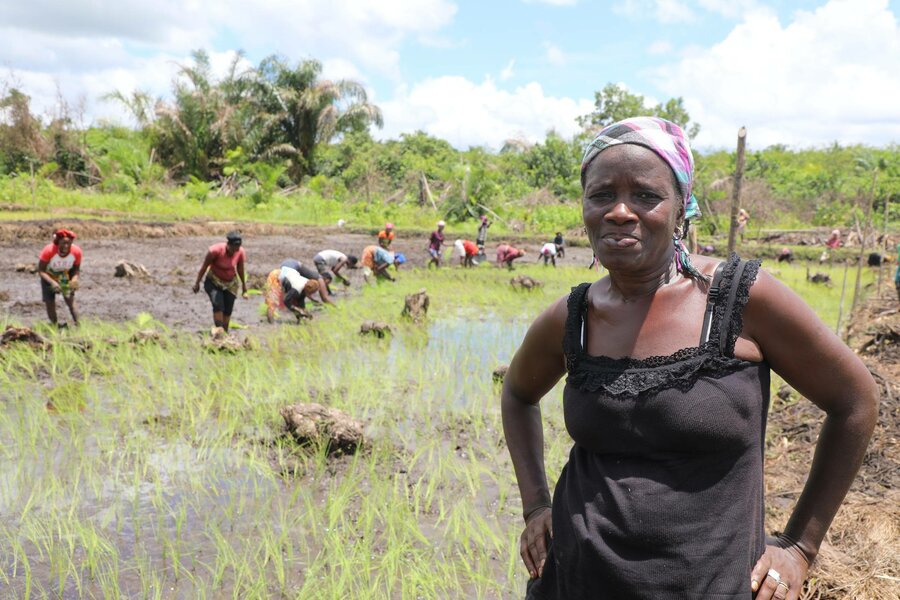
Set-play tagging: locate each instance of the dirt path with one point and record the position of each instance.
(173, 254)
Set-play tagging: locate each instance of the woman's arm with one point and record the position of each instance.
(206, 262)
(337, 270)
(43, 274)
(242, 276)
(812, 359)
(73, 277)
(383, 270)
(534, 370)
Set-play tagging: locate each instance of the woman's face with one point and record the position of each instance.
(63, 246)
(631, 208)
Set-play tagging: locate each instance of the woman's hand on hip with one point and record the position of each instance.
(779, 573)
(533, 542)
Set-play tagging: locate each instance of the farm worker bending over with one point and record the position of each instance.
(297, 289)
(435, 243)
(506, 254)
(58, 266)
(386, 235)
(560, 244)
(224, 270)
(466, 251)
(375, 261)
(322, 280)
(548, 253)
(330, 262)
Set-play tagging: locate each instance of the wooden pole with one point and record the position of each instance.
(837, 329)
(885, 249)
(736, 194)
(862, 241)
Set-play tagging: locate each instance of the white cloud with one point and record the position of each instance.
(665, 11)
(90, 47)
(472, 114)
(659, 47)
(38, 34)
(729, 8)
(554, 55)
(828, 75)
(507, 71)
(552, 2)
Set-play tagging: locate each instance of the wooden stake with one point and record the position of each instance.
(862, 241)
(736, 195)
(837, 329)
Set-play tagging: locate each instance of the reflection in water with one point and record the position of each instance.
(174, 500)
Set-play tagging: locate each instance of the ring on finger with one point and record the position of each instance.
(781, 590)
(774, 575)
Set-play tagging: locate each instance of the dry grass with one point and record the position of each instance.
(860, 558)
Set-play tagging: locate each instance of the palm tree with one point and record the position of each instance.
(296, 111)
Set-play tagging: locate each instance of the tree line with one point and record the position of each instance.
(280, 127)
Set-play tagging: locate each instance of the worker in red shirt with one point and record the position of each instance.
(59, 265)
(224, 270)
(466, 250)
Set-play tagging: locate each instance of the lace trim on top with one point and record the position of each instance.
(629, 378)
(742, 295)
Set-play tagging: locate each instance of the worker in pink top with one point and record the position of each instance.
(224, 270)
(506, 254)
(58, 267)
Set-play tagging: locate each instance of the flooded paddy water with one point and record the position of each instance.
(163, 470)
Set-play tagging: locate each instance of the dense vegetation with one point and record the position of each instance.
(279, 142)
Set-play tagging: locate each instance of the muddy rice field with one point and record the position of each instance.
(141, 461)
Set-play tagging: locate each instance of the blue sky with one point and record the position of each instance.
(802, 73)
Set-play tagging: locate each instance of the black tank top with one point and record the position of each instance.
(662, 496)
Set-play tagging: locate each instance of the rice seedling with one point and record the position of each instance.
(164, 470)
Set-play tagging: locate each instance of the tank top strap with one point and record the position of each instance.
(572, 342)
(728, 315)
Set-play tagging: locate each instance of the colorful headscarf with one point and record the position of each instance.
(61, 234)
(663, 137)
(668, 141)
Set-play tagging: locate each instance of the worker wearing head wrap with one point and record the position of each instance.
(668, 141)
(59, 265)
(435, 243)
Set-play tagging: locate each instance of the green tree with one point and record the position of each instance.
(554, 165)
(295, 111)
(21, 144)
(194, 132)
(614, 103)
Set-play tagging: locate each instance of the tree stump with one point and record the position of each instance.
(26, 268)
(524, 282)
(221, 341)
(313, 423)
(415, 307)
(499, 373)
(128, 269)
(22, 335)
(144, 336)
(377, 328)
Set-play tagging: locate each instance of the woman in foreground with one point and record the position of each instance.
(668, 363)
